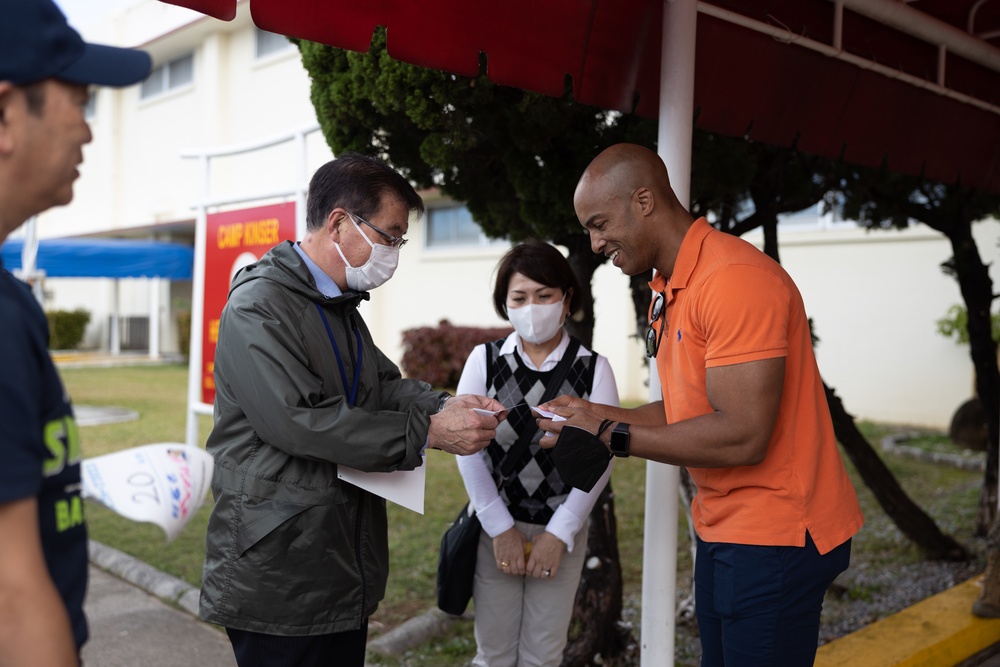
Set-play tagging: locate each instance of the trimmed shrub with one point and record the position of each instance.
(66, 328)
(437, 354)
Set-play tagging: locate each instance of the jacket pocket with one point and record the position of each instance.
(260, 517)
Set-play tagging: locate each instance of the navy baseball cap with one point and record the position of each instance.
(37, 43)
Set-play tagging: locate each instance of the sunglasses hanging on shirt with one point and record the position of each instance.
(653, 337)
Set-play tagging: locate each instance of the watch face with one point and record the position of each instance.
(620, 440)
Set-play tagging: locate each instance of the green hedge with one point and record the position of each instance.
(66, 328)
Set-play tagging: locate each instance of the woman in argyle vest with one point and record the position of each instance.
(534, 538)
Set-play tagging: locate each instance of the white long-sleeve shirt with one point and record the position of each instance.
(479, 484)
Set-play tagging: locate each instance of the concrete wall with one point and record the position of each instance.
(875, 298)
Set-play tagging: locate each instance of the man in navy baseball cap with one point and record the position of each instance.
(45, 71)
(37, 43)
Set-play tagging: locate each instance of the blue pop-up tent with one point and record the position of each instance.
(104, 258)
(107, 258)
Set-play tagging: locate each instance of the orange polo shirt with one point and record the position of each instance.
(729, 303)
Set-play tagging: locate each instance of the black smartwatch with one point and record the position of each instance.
(619, 439)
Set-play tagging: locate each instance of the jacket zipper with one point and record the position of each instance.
(357, 555)
(363, 494)
(347, 334)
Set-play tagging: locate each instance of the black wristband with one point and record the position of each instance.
(604, 426)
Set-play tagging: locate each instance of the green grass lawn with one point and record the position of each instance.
(159, 393)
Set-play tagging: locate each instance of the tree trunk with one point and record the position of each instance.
(584, 262)
(596, 628)
(688, 489)
(987, 605)
(908, 517)
(977, 292)
(955, 222)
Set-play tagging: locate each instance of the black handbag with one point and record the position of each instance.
(457, 559)
(457, 563)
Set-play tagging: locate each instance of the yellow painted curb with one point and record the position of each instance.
(99, 359)
(937, 632)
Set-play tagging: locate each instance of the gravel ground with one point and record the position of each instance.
(871, 590)
(873, 587)
(861, 595)
(866, 592)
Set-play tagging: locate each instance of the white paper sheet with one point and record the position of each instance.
(162, 483)
(548, 415)
(403, 487)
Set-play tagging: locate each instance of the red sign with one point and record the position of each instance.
(234, 239)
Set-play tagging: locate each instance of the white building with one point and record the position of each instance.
(874, 297)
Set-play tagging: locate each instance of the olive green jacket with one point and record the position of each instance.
(292, 550)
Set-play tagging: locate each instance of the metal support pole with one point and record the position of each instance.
(197, 307)
(659, 580)
(116, 323)
(155, 286)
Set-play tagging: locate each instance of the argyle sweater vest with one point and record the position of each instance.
(534, 490)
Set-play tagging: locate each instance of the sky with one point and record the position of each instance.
(83, 13)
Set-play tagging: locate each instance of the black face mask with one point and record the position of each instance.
(580, 457)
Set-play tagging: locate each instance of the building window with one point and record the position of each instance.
(90, 109)
(268, 43)
(453, 227)
(169, 76)
(813, 218)
(806, 217)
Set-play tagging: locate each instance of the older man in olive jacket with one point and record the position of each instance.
(297, 560)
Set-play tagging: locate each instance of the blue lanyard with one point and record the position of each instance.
(352, 391)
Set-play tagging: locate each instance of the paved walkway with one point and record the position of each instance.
(138, 615)
(131, 628)
(142, 617)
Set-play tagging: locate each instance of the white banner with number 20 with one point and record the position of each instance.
(163, 483)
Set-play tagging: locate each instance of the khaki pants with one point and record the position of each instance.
(523, 621)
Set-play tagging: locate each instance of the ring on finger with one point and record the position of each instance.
(504, 563)
(546, 573)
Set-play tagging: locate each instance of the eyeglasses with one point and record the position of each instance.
(653, 337)
(394, 241)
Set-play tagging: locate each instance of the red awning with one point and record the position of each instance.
(771, 68)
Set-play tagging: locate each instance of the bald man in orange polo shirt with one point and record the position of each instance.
(743, 410)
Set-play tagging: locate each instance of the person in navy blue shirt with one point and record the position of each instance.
(45, 71)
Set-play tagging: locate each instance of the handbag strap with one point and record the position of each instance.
(551, 390)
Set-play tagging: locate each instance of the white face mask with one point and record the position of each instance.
(381, 264)
(537, 322)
